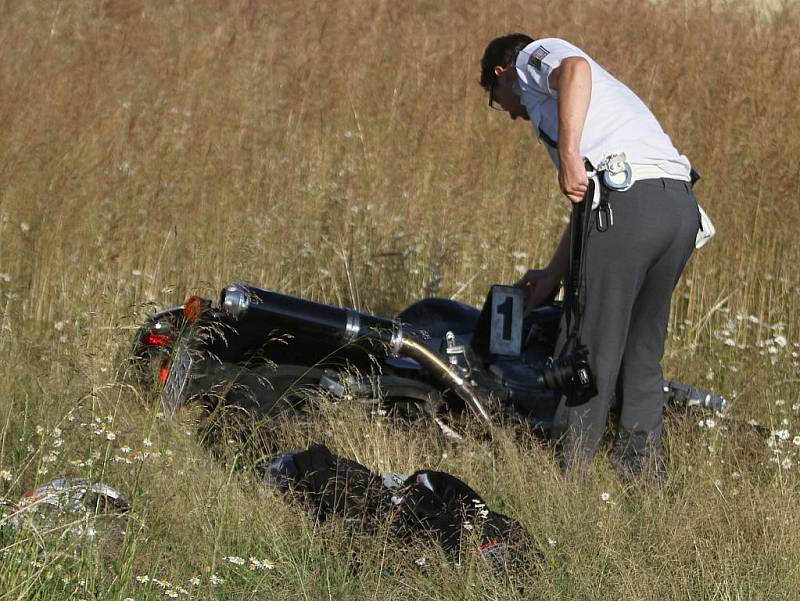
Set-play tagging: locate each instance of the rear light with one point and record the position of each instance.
(163, 374)
(155, 339)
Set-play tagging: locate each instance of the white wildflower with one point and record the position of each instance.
(787, 463)
(216, 580)
(551, 541)
(239, 561)
(142, 579)
(59, 325)
(781, 434)
(707, 423)
(6, 475)
(780, 341)
(147, 442)
(605, 497)
(25, 227)
(260, 564)
(194, 581)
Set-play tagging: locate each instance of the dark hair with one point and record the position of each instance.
(501, 52)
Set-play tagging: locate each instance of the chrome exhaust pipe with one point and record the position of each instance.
(443, 372)
(348, 325)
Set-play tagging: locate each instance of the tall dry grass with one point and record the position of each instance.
(344, 152)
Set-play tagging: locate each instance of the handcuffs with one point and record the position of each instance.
(617, 175)
(617, 172)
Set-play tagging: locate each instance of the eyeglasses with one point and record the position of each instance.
(493, 104)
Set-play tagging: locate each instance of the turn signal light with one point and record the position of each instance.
(193, 307)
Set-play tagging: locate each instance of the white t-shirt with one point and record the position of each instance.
(617, 120)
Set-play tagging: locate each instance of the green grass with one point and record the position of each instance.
(344, 152)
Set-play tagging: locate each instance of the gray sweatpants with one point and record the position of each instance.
(630, 272)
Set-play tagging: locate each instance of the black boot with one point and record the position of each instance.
(638, 455)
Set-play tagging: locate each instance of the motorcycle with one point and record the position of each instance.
(270, 354)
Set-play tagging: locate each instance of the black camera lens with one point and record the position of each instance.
(571, 375)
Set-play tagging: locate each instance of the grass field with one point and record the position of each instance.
(344, 152)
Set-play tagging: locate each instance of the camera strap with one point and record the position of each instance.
(580, 226)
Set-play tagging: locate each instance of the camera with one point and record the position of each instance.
(571, 375)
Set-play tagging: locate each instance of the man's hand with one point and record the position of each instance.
(573, 179)
(537, 286)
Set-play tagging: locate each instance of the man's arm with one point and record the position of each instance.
(560, 262)
(573, 80)
(539, 284)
